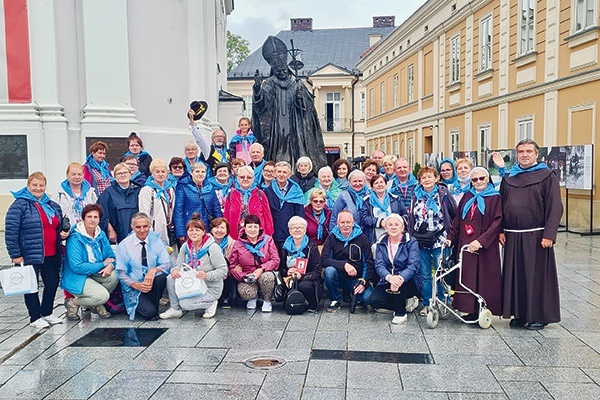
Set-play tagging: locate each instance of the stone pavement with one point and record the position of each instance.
(198, 358)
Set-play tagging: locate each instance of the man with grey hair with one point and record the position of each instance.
(142, 267)
(257, 154)
(350, 199)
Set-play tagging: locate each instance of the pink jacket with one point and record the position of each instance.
(258, 204)
(240, 255)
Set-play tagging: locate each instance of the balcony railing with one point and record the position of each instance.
(336, 124)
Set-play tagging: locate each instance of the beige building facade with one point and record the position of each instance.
(479, 75)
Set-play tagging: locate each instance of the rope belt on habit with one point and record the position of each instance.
(524, 230)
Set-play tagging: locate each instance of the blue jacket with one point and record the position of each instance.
(77, 266)
(368, 222)
(118, 206)
(23, 235)
(407, 261)
(189, 200)
(343, 202)
(281, 215)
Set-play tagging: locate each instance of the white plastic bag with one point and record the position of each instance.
(188, 285)
(19, 280)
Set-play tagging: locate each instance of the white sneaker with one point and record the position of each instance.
(267, 306)
(171, 313)
(412, 304)
(52, 319)
(210, 311)
(40, 323)
(251, 304)
(383, 311)
(399, 320)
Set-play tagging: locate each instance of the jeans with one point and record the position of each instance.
(334, 281)
(430, 259)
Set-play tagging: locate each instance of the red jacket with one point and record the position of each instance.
(312, 225)
(258, 204)
(240, 255)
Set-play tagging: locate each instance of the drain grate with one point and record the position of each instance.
(265, 362)
(373, 356)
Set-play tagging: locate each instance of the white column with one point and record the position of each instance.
(504, 47)
(502, 134)
(550, 118)
(469, 60)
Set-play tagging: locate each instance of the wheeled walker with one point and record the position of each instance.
(442, 308)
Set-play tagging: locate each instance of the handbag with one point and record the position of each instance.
(295, 302)
(188, 285)
(19, 280)
(427, 238)
(279, 290)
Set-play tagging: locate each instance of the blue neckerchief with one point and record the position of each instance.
(221, 186)
(358, 196)
(134, 176)
(188, 165)
(457, 188)
(222, 152)
(516, 169)
(396, 185)
(478, 197)
(138, 155)
(249, 138)
(293, 195)
(102, 167)
(206, 187)
(390, 177)
(193, 259)
(430, 202)
(246, 193)
(328, 197)
(224, 243)
(452, 181)
(255, 249)
(79, 200)
(338, 234)
(293, 251)
(93, 243)
(321, 222)
(44, 202)
(374, 201)
(161, 191)
(258, 171)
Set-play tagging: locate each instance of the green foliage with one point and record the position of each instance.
(238, 49)
(416, 169)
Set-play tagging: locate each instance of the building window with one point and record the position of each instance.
(382, 100)
(371, 102)
(584, 14)
(411, 152)
(396, 91)
(525, 129)
(362, 150)
(485, 143)
(527, 25)
(411, 82)
(248, 103)
(332, 111)
(363, 104)
(395, 149)
(454, 141)
(485, 35)
(455, 59)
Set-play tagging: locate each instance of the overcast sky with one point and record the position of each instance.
(254, 20)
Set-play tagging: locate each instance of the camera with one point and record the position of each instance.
(250, 278)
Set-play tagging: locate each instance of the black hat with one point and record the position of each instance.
(199, 108)
(222, 165)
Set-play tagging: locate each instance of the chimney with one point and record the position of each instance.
(387, 21)
(374, 38)
(301, 24)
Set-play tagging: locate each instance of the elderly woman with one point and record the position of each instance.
(477, 224)
(177, 167)
(89, 270)
(253, 256)
(96, 170)
(219, 229)
(222, 182)
(304, 175)
(350, 199)
(119, 202)
(33, 235)
(134, 167)
(431, 214)
(462, 184)
(370, 168)
(247, 199)
(378, 205)
(397, 262)
(136, 149)
(191, 156)
(341, 169)
(194, 194)
(387, 167)
(74, 193)
(329, 185)
(317, 217)
(204, 255)
(303, 262)
(157, 200)
(236, 163)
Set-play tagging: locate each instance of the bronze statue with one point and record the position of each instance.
(284, 118)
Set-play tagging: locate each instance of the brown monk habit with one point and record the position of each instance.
(531, 200)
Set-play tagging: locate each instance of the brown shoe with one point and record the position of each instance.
(72, 310)
(101, 311)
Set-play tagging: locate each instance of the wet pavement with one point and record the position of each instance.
(196, 358)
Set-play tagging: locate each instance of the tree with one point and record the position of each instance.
(238, 49)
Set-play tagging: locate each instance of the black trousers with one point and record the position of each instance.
(50, 271)
(309, 289)
(396, 302)
(148, 303)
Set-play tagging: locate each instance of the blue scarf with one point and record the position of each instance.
(459, 189)
(161, 191)
(516, 169)
(258, 171)
(102, 167)
(293, 195)
(328, 196)
(338, 234)
(193, 259)
(244, 140)
(93, 243)
(78, 202)
(141, 153)
(358, 196)
(224, 243)
(188, 165)
(255, 249)
(246, 193)
(478, 197)
(206, 187)
(429, 198)
(221, 153)
(320, 224)
(374, 201)
(396, 185)
(221, 186)
(44, 202)
(452, 181)
(293, 251)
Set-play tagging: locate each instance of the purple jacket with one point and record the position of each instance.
(240, 255)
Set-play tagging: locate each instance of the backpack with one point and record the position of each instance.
(295, 303)
(115, 304)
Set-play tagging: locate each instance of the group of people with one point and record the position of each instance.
(371, 236)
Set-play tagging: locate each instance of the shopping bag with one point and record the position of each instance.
(188, 285)
(19, 280)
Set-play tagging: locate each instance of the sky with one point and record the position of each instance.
(254, 20)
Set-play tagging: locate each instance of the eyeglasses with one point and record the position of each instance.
(445, 170)
(177, 167)
(131, 165)
(480, 179)
(122, 173)
(245, 177)
(318, 201)
(296, 228)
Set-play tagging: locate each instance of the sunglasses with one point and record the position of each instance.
(480, 179)
(319, 201)
(177, 167)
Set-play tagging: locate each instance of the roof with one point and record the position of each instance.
(340, 46)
